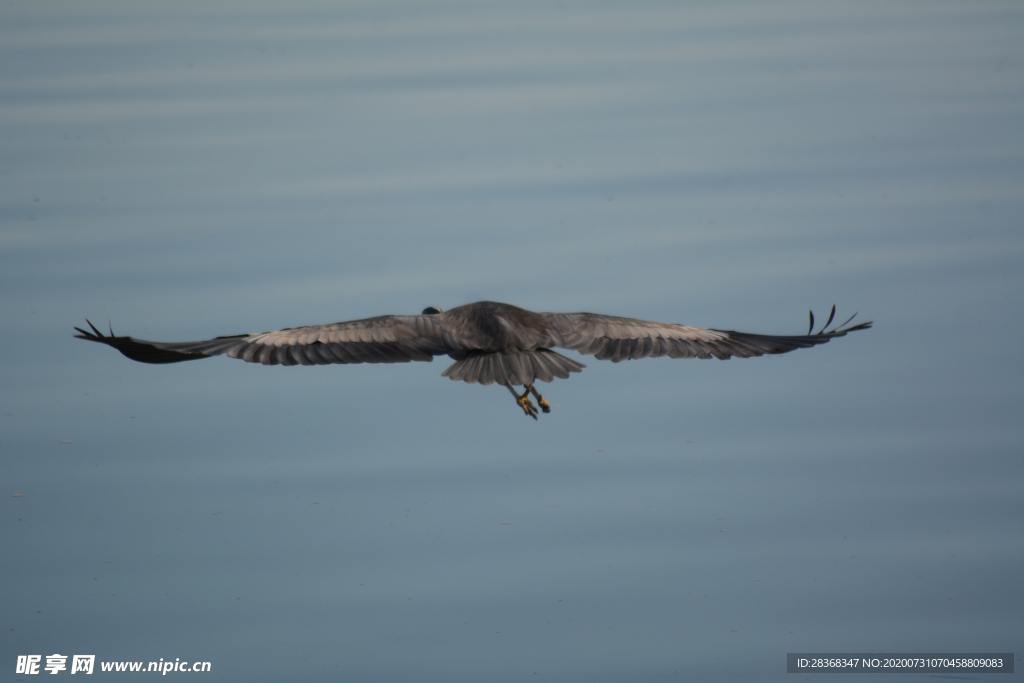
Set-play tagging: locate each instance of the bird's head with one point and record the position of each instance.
(432, 310)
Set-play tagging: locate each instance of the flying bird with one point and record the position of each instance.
(491, 343)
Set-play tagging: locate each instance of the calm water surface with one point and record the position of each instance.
(187, 170)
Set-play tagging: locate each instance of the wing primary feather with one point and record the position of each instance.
(847, 322)
(831, 315)
(810, 327)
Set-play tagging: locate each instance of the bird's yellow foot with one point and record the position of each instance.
(527, 405)
(544, 405)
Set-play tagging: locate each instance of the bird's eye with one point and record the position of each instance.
(432, 310)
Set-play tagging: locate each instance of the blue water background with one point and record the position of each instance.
(192, 169)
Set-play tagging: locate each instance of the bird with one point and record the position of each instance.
(490, 342)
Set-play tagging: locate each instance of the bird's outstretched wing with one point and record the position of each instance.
(384, 339)
(613, 338)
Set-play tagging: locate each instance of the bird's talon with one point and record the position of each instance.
(544, 405)
(527, 405)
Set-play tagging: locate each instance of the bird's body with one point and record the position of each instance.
(491, 343)
(492, 326)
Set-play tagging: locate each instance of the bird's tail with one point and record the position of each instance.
(512, 367)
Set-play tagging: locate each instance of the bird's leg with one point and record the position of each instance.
(524, 402)
(541, 401)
